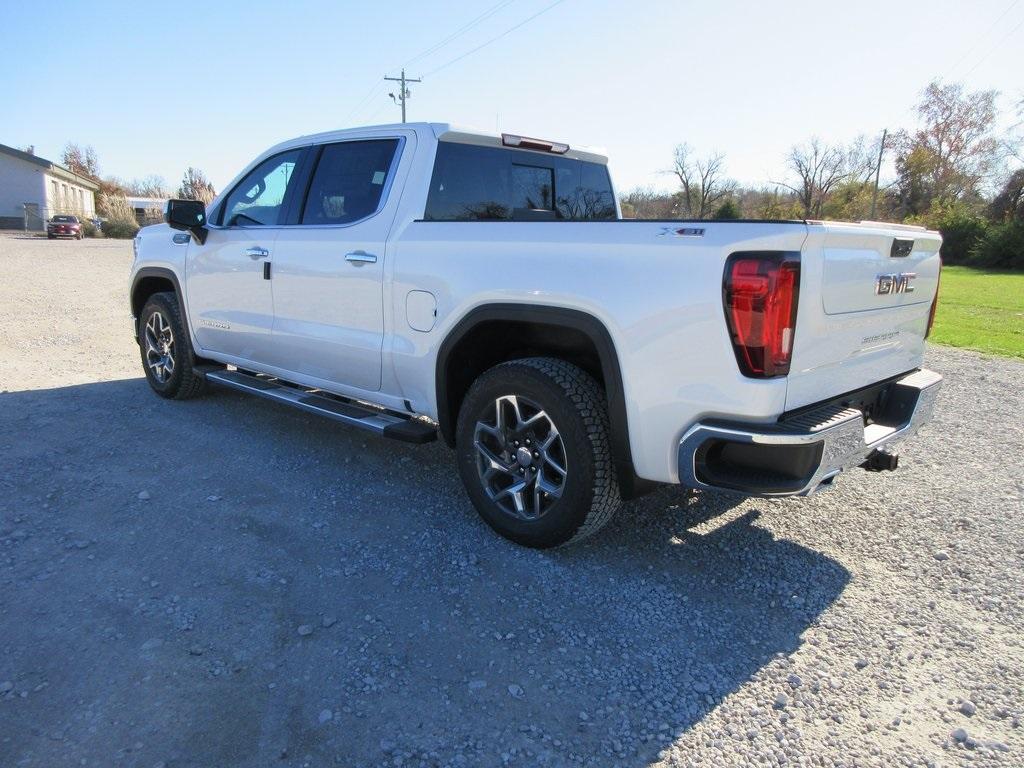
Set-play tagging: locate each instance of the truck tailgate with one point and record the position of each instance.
(866, 292)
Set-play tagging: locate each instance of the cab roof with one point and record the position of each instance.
(439, 132)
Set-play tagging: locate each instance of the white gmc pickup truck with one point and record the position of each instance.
(417, 279)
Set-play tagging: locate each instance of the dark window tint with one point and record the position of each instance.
(259, 197)
(469, 184)
(348, 181)
(592, 198)
(533, 192)
(473, 183)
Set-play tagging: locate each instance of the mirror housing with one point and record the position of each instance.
(189, 216)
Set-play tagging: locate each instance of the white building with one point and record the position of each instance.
(33, 189)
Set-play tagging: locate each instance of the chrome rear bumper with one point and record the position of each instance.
(801, 453)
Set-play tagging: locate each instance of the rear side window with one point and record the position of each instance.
(348, 181)
(473, 183)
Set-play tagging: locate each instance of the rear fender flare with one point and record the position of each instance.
(583, 322)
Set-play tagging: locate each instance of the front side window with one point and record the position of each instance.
(474, 183)
(349, 181)
(259, 197)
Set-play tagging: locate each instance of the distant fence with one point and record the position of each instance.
(33, 218)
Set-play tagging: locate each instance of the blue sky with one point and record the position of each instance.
(155, 87)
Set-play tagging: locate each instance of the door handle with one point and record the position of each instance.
(360, 257)
(256, 252)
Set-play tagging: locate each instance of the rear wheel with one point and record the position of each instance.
(166, 349)
(533, 452)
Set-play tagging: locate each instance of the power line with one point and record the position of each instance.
(496, 38)
(404, 92)
(364, 100)
(461, 31)
(375, 88)
(993, 48)
(974, 46)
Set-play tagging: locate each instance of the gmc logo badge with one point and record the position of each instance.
(898, 282)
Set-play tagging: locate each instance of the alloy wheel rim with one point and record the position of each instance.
(521, 458)
(159, 340)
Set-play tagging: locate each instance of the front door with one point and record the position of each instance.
(328, 270)
(229, 293)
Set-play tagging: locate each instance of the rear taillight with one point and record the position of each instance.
(935, 302)
(760, 292)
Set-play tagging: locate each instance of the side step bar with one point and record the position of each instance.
(383, 422)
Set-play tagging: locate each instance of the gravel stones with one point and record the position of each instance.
(675, 631)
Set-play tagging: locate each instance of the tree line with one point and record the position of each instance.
(954, 172)
(112, 198)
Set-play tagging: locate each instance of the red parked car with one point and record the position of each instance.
(64, 226)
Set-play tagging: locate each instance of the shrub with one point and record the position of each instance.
(728, 210)
(1001, 247)
(960, 226)
(114, 206)
(960, 236)
(88, 228)
(120, 228)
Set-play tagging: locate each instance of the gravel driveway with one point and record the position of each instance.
(226, 582)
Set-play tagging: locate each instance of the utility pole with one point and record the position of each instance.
(878, 171)
(403, 94)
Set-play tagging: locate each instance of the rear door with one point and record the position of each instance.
(866, 292)
(328, 270)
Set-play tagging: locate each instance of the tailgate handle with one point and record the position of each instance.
(901, 248)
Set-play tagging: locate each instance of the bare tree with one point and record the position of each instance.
(702, 180)
(818, 168)
(861, 157)
(646, 203)
(81, 160)
(1015, 136)
(195, 186)
(954, 154)
(149, 186)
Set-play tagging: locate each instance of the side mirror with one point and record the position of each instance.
(187, 215)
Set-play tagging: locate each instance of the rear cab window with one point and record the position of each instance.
(476, 183)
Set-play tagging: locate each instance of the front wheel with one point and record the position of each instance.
(534, 454)
(167, 350)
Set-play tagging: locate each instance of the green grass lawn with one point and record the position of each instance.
(982, 310)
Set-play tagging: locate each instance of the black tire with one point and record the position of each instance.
(183, 380)
(574, 406)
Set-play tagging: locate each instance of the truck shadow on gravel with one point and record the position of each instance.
(288, 591)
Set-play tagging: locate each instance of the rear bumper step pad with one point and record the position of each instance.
(801, 453)
(382, 422)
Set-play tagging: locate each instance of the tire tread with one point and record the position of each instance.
(192, 382)
(587, 397)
